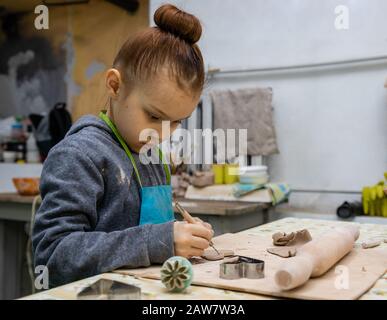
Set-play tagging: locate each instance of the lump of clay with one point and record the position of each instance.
(231, 259)
(212, 255)
(297, 238)
(202, 179)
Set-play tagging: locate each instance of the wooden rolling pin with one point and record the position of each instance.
(316, 257)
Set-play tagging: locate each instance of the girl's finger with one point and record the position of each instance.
(200, 231)
(199, 243)
(207, 225)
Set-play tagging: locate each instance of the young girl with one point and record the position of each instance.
(102, 208)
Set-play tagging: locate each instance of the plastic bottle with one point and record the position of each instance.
(17, 131)
(33, 155)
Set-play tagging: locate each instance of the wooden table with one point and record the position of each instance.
(15, 207)
(153, 289)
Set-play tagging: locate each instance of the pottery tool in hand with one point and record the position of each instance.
(187, 217)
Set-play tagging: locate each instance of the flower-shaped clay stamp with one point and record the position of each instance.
(176, 274)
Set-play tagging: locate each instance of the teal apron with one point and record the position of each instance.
(156, 201)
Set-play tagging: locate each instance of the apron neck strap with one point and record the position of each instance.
(166, 168)
(112, 126)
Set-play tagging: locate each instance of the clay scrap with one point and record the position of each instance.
(287, 243)
(296, 238)
(212, 255)
(284, 252)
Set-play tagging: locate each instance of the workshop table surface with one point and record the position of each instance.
(221, 208)
(15, 207)
(15, 198)
(214, 207)
(153, 289)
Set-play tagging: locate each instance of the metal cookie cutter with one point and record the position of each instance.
(105, 289)
(242, 267)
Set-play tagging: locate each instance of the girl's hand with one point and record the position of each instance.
(190, 239)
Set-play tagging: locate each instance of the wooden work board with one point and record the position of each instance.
(359, 269)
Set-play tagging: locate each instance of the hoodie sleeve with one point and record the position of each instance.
(64, 239)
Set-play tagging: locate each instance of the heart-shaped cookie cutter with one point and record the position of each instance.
(237, 267)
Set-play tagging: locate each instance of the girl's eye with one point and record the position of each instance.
(153, 117)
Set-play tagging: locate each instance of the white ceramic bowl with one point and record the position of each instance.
(253, 174)
(254, 179)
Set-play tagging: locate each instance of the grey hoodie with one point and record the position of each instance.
(88, 220)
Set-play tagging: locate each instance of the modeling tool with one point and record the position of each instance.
(187, 217)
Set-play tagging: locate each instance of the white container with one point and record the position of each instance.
(254, 180)
(33, 157)
(9, 156)
(253, 175)
(252, 169)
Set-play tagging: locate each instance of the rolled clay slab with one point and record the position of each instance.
(316, 257)
(211, 254)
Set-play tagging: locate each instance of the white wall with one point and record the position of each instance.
(331, 123)
(256, 33)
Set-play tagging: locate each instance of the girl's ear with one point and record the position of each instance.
(113, 82)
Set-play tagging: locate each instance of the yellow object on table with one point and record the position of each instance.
(225, 173)
(231, 173)
(374, 199)
(218, 170)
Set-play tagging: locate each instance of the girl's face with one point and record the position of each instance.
(142, 108)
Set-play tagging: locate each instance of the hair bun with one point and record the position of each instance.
(182, 24)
